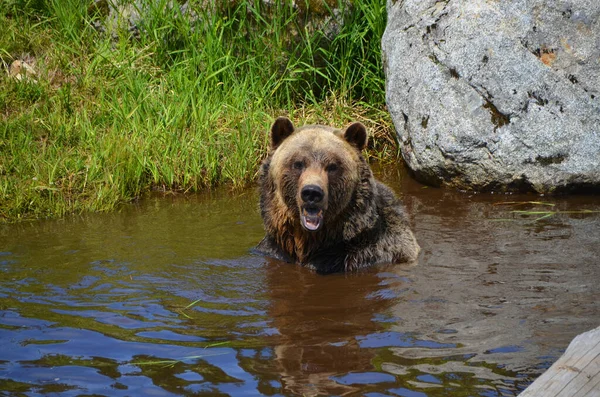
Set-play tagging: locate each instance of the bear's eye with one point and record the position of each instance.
(333, 167)
(298, 165)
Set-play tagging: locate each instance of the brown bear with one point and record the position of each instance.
(322, 207)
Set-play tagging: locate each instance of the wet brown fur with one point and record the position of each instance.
(364, 223)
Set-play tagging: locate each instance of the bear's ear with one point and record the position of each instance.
(356, 135)
(281, 129)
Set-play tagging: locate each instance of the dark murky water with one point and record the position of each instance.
(163, 298)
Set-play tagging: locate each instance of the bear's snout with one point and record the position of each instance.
(311, 209)
(312, 194)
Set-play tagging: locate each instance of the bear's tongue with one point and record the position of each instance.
(311, 218)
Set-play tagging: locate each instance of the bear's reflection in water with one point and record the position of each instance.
(321, 320)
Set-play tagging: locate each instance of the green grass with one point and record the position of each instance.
(181, 104)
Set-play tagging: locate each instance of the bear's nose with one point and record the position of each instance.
(312, 194)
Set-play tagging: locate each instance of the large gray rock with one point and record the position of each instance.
(496, 95)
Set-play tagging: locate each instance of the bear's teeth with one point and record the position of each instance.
(311, 222)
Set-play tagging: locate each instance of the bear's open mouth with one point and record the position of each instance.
(312, 218)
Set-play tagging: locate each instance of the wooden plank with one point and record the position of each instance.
(575, 374)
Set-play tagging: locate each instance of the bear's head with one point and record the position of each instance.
(315, 170)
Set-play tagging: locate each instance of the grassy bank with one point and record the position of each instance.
(101, 112)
